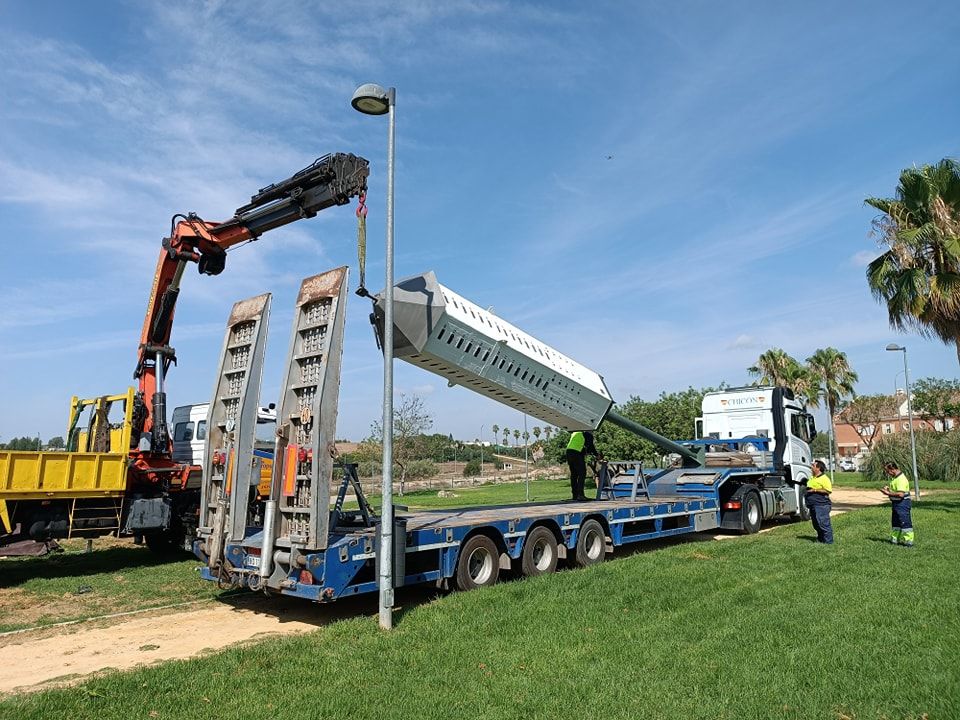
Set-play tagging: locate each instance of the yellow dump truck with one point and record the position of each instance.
(85, 490)
(76, 493)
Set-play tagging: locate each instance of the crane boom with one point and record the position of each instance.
(330, 180)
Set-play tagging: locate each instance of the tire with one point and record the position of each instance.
(591, 544)
(166, 542)
(803, 515)
(751, 515)
(539, 552)
(479, 563)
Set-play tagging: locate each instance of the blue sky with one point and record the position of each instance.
(660, 190)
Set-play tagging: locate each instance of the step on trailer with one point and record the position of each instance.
(296, 543)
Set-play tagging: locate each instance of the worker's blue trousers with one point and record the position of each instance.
(820, 507)
(901, 522)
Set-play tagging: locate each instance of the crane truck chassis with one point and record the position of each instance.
(296, 543)
(122, 476)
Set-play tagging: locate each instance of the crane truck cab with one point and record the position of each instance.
(773, 426)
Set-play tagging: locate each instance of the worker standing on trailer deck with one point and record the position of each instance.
(898, 491)
(580, 445)
(818, 501)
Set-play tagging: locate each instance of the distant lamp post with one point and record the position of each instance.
(371, 99)
(893, 347)
(480, 443)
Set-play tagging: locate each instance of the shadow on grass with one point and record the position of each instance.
(292, 609)
(15, 572)
(950, 506)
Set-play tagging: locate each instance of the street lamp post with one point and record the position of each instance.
(480, 443)
(893, 347)
(371, 99)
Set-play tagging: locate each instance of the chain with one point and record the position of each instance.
(362, 243)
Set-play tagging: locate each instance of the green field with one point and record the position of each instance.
(73, 585)
(766, 626)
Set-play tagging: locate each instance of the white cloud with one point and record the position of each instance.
(863, 258)
(743, 341)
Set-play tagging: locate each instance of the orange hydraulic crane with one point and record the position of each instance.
(330, 180)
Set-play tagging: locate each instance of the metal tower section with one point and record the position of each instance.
(443, 332)
(231, 425)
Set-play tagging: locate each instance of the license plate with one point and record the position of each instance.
(252, 561)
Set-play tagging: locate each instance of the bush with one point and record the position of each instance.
(472, 468)
(420, 469)
(938, 456)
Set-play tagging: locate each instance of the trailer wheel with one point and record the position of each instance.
(478, 564)
(751, 515)
(539, 552)
(591, 544)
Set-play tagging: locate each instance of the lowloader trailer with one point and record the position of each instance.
(300, 544)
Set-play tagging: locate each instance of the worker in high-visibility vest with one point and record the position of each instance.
(818, 501)
(901, 530)
(581, 444)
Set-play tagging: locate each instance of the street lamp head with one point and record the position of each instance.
(371, 99)
(896, 348)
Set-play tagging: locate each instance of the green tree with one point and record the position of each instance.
(472, 468)
(56, 443)
(410, 422)
(776, 367)
(937, 398)
(828, 370)
(516, 437)
(918, 273)
(496, 433)
(672, 415)
(547, 432)
(536, 432)
(820, 447)
(506, 435)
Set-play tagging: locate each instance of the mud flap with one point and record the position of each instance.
(149, 515)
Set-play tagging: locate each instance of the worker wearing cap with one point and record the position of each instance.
(818, 501)
(580, 445)
(901, 532)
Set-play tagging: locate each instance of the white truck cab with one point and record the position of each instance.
(190, 431)
(762, 412)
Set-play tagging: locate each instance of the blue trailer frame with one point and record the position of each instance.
(629, 508)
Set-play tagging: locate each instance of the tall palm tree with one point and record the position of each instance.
(829, 369)
(776, 367)
(496, 432)
(547, 432)
(918, 275)
(516, 437)
(536, 432)
(506, 435)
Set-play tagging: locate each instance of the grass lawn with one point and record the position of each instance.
(73, 584)
(767, 626)
(490, 494)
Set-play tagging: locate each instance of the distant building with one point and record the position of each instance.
(851, 443)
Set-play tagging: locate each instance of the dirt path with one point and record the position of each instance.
(844, 500)
(38, 659)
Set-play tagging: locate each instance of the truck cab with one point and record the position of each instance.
(771, 426)
(189, 433)
(771, 413)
